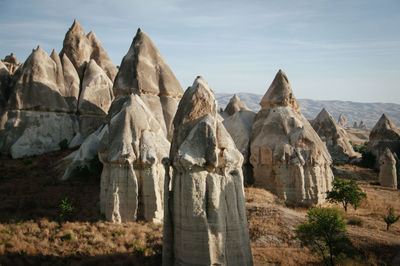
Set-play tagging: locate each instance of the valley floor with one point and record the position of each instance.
(32, 231)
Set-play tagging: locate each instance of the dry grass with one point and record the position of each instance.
(32, 233)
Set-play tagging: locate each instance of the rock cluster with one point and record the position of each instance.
(342, 121)
(288, 156)
(387, 169)
(41, 104)
(11, 62)
(384, 135)
(335, 137)
(239, 125)
(205, 220)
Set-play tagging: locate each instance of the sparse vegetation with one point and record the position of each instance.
(368, 159)
(66, 209)
(357, 221)
(324, 232)
(91, 170)
(390, 218)
(346, 192)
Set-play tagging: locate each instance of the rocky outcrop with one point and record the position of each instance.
(239, 126)
(355, 125)
(38, 116)
(288, 157)
(235, 105)
(80, 49)
(144, 72)
(387, 169)
(95, 99)
(71, 83)
(11, 62)
(205, 219)
(4, 81)
(132, 150)
(362, 125)
(384, 135)
(335, 137)
(342, 121)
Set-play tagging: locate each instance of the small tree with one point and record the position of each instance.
(66, 209)
(324, 233)
(346, 192)
(390, 218)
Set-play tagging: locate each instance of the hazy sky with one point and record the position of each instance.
(330, 50)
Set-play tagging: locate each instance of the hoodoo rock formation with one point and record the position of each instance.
(4, 81)
(235, 105)
(38, 116)
(205, 220)
(288, 157)
(387, 169)
(144, 72)
(342, 121)
(239, 125)
(11, 62)
(132, 150)
(335, 137)
(384, 135)
(81, 48)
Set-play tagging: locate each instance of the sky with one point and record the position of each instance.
(331, 50)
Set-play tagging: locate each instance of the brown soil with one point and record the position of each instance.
(32, 231)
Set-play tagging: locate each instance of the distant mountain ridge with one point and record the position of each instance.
(353, 111)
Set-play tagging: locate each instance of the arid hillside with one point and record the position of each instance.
(34, 231)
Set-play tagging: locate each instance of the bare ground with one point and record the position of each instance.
(32, 232)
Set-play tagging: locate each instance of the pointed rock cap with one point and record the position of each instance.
(76, 27)
(324, 115)
(144, 70)
(384, 130)
(235, 105)
(342, 121)
(197, 102)
(280, 93)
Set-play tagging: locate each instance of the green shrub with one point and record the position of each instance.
(346, 192)
(390, 218)
(92, 169)
(66, 209)
(367, 158)
(63, 144)
(324, 233)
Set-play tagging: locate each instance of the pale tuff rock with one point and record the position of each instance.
(362, 125)
(280, 93)
(335, 137)
(342, 121)
(144, 72)
(387, 169)
(27, 133)
(288, 157)
(97, 94)
(205, 220)
(38, 87)
(71, 83)
(235, 105)
(38, 116)
(81, 48)
(131, 151)
(239, 126)
(355, 125)
(384, 135)
(86, 152)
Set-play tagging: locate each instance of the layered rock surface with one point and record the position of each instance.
(335, 137)
(132, 150)
(38, 115)
(288, 156)
(205, 219)
(81, 48)
(144, 72)
(384, 135)
(4, 81)
(387, 169)
(239, 125)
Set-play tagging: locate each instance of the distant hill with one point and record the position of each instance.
(353, 111)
